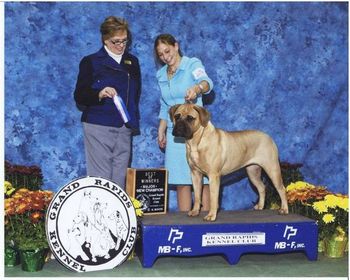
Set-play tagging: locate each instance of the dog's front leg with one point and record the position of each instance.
(214, 185)
(197, 181)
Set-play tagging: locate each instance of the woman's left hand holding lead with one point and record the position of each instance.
(191, 93)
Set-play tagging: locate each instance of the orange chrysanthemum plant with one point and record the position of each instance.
(25, 219)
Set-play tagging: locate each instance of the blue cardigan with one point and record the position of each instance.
(99, 70)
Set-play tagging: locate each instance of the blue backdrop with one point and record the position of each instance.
(278, 67)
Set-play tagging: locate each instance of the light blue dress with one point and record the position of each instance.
(190, 72)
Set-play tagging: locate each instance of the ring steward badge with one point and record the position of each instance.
(91, 225)
(198, 73)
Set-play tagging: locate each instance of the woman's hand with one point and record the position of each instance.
(161, 140)
(192, 93)
(162, 134)
(107, 92)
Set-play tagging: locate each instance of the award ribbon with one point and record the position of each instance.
(121, 108)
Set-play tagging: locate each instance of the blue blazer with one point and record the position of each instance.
(99, 70)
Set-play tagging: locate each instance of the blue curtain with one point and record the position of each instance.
(278, 67)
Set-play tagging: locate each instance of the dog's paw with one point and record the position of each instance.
(210, 218)
(283, 211)
(256, 207)
(193, 213)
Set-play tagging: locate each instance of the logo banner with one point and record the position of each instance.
(91, 225)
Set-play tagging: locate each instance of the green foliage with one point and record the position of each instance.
(25, 214)
(21, 176)
(290, 173)
(25, 234)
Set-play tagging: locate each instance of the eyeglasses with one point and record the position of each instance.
(119, 42)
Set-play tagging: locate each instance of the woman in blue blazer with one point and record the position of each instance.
(108, 78)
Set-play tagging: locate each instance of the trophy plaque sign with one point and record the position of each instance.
(149, 186)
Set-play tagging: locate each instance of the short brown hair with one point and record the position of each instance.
(113, 25)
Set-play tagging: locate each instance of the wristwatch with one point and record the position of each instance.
(201, 87)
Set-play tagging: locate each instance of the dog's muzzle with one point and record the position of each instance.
(182, 129)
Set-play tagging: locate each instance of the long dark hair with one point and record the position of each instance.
(167, 39)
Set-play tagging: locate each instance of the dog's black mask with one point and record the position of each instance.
(182, 128)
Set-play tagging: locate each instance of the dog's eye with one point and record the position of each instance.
(177, 116)
(190, 118)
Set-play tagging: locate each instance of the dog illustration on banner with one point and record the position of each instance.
(76, 236)
(94, 233)
(119, 229)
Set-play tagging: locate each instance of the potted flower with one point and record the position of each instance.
(328, 209)
(11, 255)
(301, 195)
(25, 225)
(332, 216)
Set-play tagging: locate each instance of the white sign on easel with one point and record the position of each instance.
(91, 225)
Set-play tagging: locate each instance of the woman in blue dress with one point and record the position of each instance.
(181, 79)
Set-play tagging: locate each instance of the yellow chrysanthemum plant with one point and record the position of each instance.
(332, 213)
(8, 189)
(138, 207)
(330, 210)
(139, 213)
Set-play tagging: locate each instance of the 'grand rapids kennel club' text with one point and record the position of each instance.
(91, 225)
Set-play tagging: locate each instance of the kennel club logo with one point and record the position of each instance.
(91, 225)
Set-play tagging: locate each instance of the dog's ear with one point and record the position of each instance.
(204, 115)
(172, 111)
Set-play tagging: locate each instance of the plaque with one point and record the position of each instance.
(149, 186)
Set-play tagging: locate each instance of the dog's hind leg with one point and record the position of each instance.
(254, 175)
(276, 177)
(214, 186)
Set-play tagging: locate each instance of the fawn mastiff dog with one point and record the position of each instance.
(215, 152)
